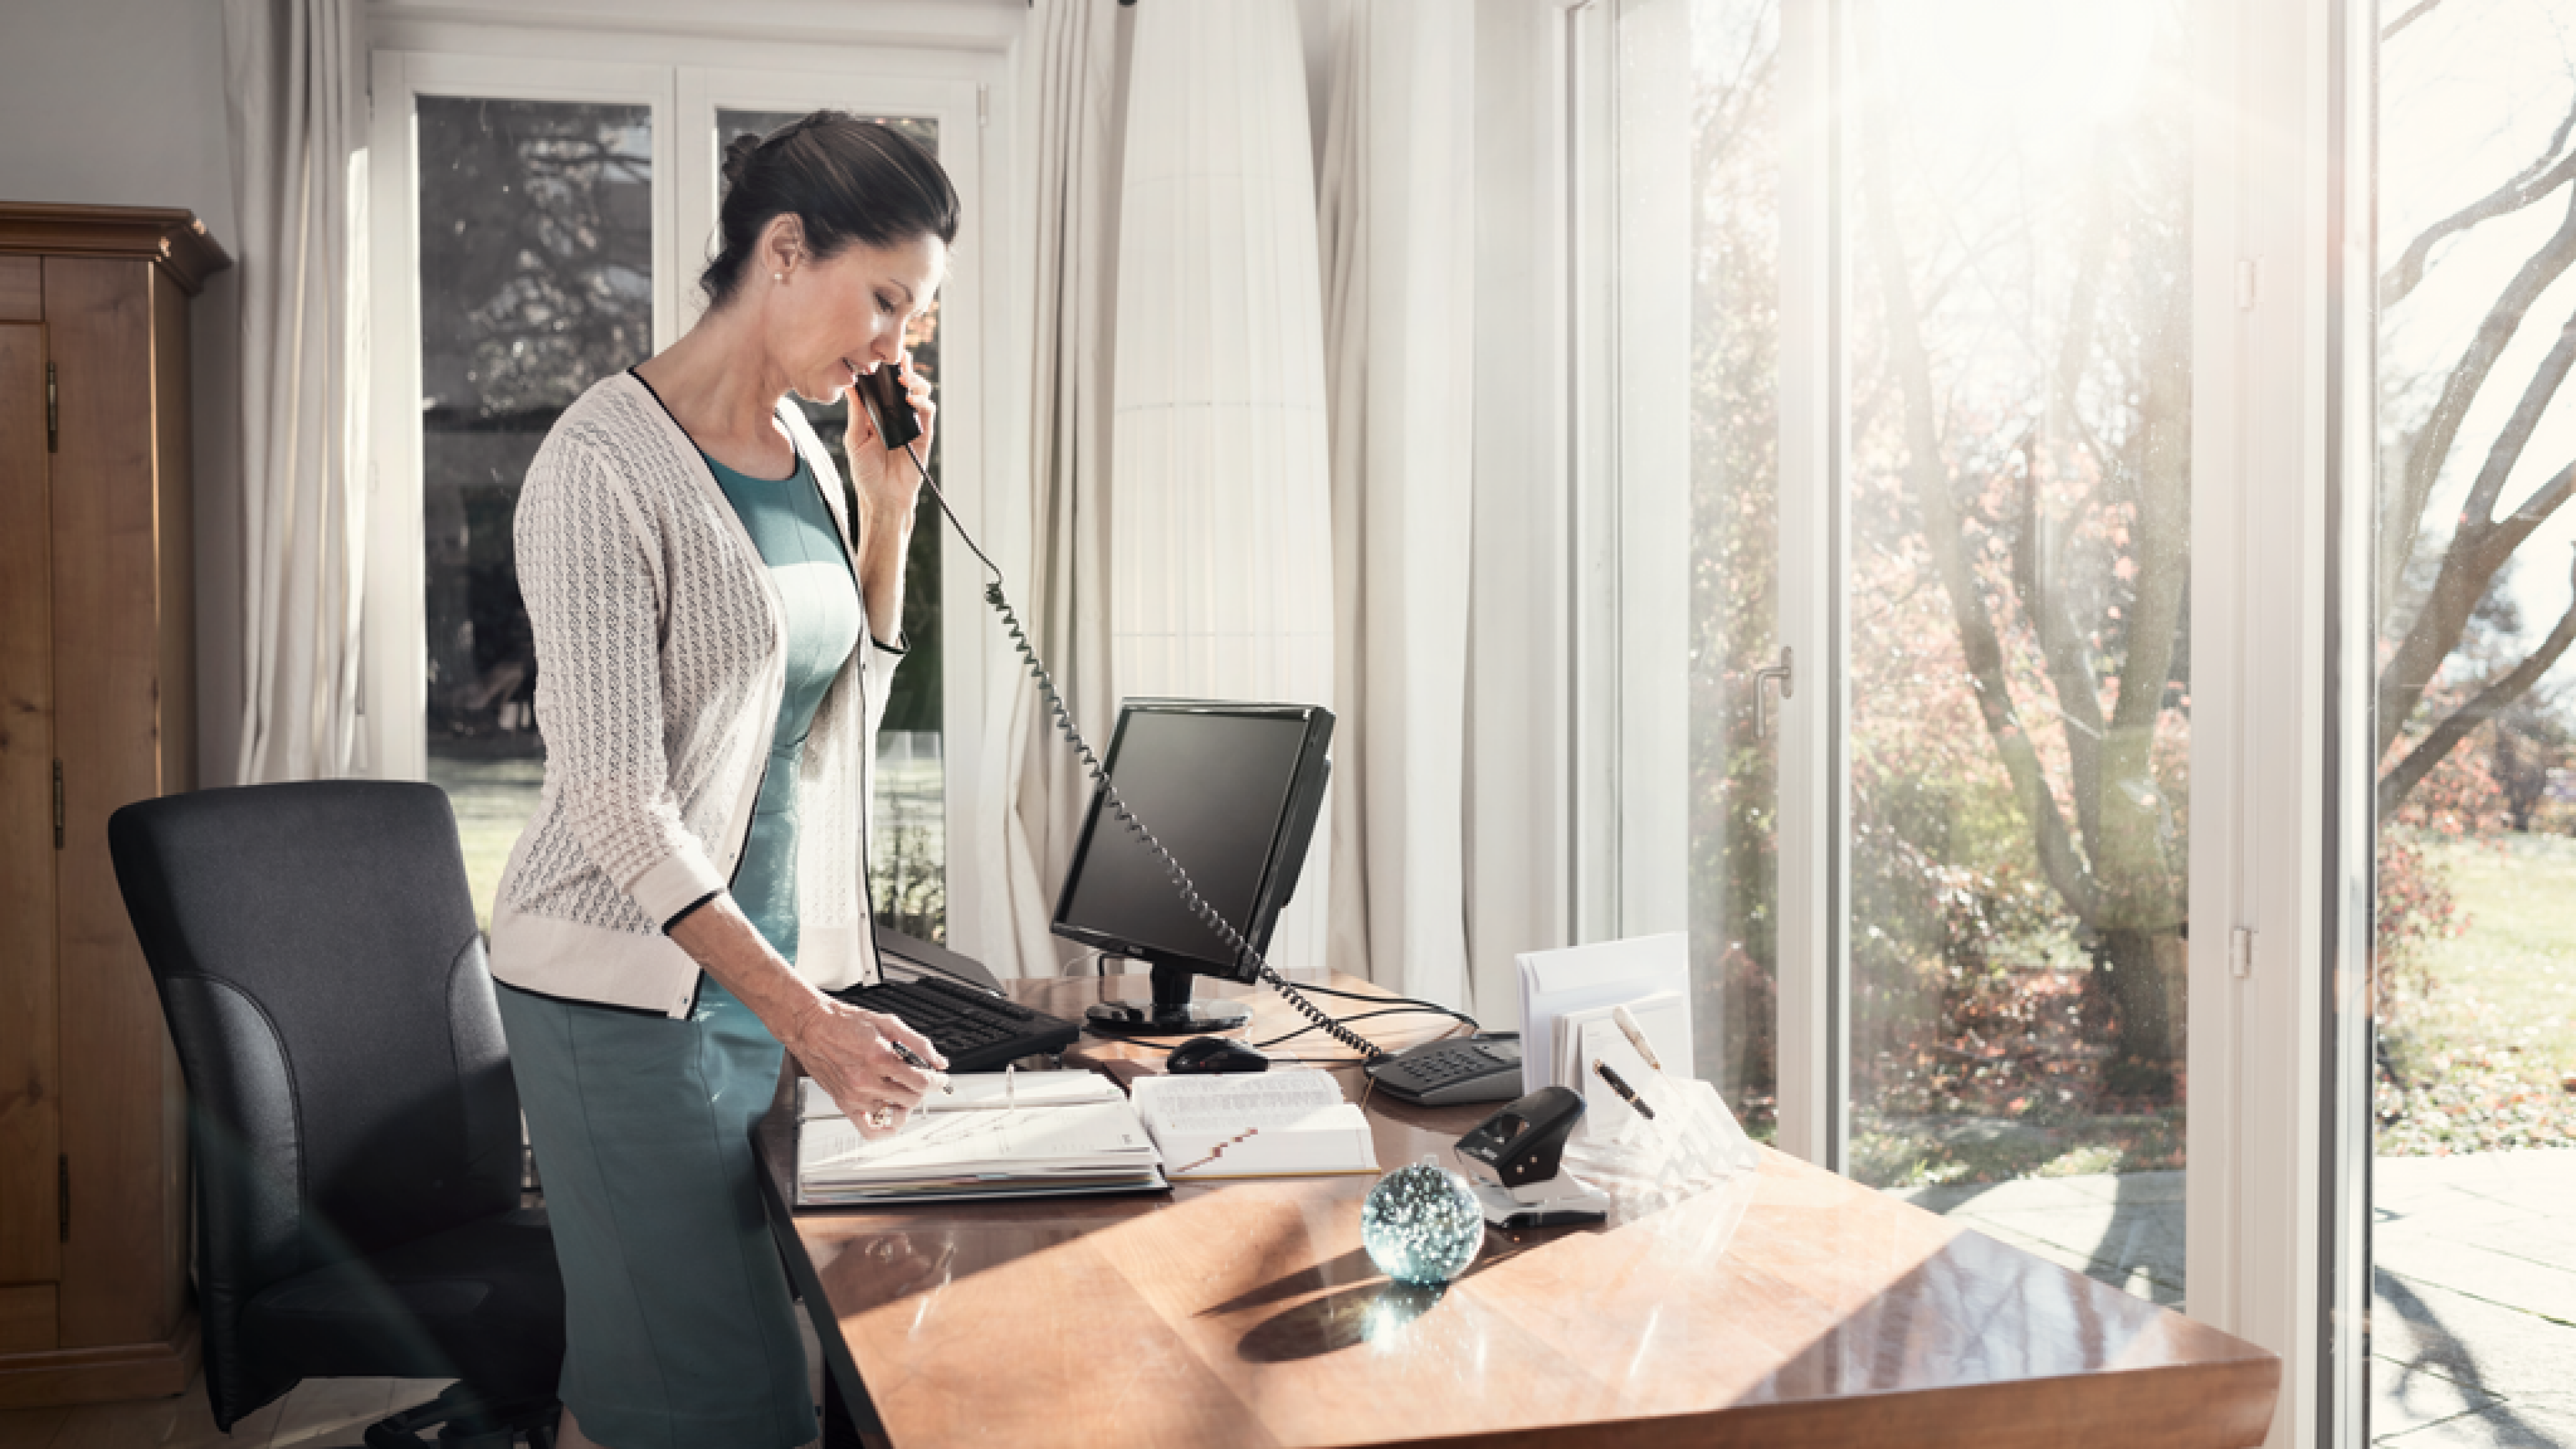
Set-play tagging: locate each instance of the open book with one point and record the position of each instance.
(1027, 1134)
(1273, 1125)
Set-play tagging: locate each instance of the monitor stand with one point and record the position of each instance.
(1172, 1013)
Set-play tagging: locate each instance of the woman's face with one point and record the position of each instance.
(834, 319)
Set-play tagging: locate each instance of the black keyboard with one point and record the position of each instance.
(976, 1030)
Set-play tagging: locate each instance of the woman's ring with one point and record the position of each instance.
(880, 1117)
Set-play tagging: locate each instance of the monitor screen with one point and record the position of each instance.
(1232, 791)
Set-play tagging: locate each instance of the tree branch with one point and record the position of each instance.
(2469, 562)
(2420, 9)
(2429, 751)
(2468, 569)
(2061, 643)
(1924, 469)
(2506, 450)
(2532, 184)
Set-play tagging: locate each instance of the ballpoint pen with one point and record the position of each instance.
(1636, 1036)
(1626, 1093)
(918, 1064)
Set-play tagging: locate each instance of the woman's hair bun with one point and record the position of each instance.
(737, 157)
(845, 180)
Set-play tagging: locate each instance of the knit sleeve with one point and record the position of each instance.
(595, 596)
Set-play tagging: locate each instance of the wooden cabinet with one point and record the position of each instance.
(97, 708)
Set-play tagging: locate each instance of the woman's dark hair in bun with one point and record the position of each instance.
(846, 180)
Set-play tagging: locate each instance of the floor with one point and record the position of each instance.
(2473, 1337)
(316, 1414)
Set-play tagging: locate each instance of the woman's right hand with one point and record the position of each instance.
(851, 1053)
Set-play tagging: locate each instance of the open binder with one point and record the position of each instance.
(1031, 1134)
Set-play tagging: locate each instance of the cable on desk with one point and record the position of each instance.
(1376, 996)
(1062, 719)
(1347, 1020)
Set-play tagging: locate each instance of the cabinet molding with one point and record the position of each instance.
(173, 240)
(97, 680)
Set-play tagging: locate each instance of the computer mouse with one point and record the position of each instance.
(1202, 1054)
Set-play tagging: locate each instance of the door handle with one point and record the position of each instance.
(1762, 678)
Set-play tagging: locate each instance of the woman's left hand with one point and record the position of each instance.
(885, 478)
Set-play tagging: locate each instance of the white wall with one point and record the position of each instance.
(121, 103)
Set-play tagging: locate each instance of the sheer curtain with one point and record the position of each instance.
(294, 82)
(1221, 557)
(1397, 208)
(1071, 139)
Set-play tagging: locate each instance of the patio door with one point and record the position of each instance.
(1905, 304)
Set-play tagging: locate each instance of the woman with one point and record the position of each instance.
(713, 610)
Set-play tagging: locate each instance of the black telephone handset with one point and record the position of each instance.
(889, 411)
(881, 393)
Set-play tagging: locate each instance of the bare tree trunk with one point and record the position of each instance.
(2126, 965)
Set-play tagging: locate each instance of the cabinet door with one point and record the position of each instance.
(30, 1082)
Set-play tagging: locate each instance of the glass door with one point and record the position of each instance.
(2015, 207)
(2472, 1237)
(1937, 321)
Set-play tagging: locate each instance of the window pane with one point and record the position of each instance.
(1735, 428)
(2016, 211)
(536, 280)
(907, 866)
(2475, 972)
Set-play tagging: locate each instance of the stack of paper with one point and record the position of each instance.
(1566, 996)
(1274, 1125)
(1590, 1035)
(1029, 1134)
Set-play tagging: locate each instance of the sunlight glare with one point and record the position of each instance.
(2041, 72)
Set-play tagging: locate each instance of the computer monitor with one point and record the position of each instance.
(1232, 791)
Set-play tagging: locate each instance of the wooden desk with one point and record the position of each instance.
(1799, 1309)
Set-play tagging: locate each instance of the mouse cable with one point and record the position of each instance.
(1062, 717)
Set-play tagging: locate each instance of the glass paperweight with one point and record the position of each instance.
(1422, 1224)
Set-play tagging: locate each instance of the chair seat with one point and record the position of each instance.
(482, 1301)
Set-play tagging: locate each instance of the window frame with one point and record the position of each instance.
(2282, 455)
(454, 59)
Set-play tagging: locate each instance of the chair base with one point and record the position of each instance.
(469, 1419)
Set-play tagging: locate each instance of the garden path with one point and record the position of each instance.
(2474, 1333)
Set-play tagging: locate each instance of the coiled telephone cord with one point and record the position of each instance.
(1062, 717)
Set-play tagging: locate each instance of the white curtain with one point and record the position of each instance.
(1397, 208)
(1070, 137)
(294, 72)
(1221, 557)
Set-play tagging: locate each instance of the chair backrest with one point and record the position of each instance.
(317, 958)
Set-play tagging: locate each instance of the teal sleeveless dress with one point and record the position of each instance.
(679, 1329)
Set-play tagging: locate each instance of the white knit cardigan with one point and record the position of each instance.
(661, 658)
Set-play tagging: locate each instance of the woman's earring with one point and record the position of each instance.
(778, 276)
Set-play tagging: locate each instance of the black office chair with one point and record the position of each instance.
(352, 1115)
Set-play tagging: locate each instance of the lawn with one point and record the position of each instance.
(493, 795)
(2483, 1057)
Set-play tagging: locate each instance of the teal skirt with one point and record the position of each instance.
(679, 1333)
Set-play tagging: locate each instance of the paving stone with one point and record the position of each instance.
(2457, 1211)
(2118, 1242)
(2465, 1264)
(2546, 1240)
(2405, 1397)
(2132, 1187)
(2497, 1350)
(2504, 1425)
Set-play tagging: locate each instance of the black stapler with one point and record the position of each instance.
(1516, 1160)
